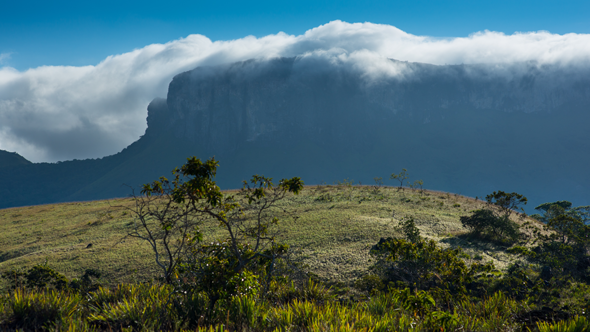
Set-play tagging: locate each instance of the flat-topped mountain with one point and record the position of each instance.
(470, 129)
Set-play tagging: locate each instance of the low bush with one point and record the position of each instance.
(486, 225)
(425, 266)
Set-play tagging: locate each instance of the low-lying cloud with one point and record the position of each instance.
(53, 113)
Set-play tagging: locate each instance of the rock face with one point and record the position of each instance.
(279, 100)
(469, 129)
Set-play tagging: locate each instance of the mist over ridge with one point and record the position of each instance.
(56, 113)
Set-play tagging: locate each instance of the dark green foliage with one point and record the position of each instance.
(565, 205)
(370, 284)
(411, 232)
(87, 282)
(494, 223)
(37, 277)
(487, 225)
(507, 202)
(423, 265)
(480, 222)
(552, 210)
(568, 230)
(563, 252)
(170, 214)
(42, 277)
(519, 282)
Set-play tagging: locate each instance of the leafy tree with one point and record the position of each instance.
(562, 252)
(568, 230)
(378, 182)
(494, 222)
(236, 264)
(486, 224)
(554, 209)
(507, 202)
(419, 184)
(401, 177)
(170, 216)
(583, 213)
(565, 205)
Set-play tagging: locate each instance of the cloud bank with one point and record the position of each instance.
(53, 113)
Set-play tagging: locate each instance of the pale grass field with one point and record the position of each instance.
(333, 231)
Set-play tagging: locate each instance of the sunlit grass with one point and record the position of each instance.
(332, 227)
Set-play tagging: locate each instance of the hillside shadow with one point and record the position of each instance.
(468, 241)
(12, 254)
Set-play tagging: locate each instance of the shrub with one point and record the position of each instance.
(409, 229)
(36, 310)
(485, 224)
(423, 265)
(563, 251)
(37, 277)
(169, 215)
(370, 284)
(137, 306)
(576, 324)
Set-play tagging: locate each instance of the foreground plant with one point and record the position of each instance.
(169, 215)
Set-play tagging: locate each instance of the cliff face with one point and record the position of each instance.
(471, 129)
(280, 100)
(465, 129)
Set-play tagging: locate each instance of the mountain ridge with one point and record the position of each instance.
(469, 129)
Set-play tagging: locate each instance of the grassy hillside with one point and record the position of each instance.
(332, 227)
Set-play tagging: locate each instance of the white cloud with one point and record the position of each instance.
(55, 113)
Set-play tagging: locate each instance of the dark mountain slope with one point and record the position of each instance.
(12, 159)
(464, 129)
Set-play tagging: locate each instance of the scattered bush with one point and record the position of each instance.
(485, 224)
(424, 266)
(409, 229)
(37, 277)
(494, 223)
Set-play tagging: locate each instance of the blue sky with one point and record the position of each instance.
(77, 33)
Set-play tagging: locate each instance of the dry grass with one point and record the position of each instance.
(334, 228)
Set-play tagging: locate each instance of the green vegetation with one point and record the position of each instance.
(494, 222)
(184, 255)
(331, 227)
